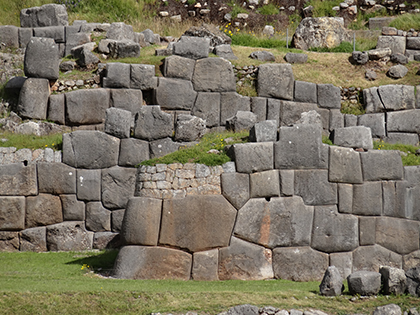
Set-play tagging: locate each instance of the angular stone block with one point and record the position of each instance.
(283, 221)
(42, 58)
(74, 40)
(329, 96)
(274, 110)
(306, 92)
(205, 265)
(33, 240)
(259, 107)
(56, 178)
(143, 77)
(367, 198)
(413, 281)
(404, 138)
(373, 257)
(117, 122)
(394, 280)
(265, 184)
(207, 106)
(367, 231)
(397, 97)
(117, 75)
(403, 121)
(376, 123)
(133, 152)
(45, 15)
(350, 120)
(90, 149)
(235, 188)
(178, 67)
(364, 283)
(184, 98)
(69, 236)
(343, 262)
(334, 232)
(315, 189)
(397, 200)
(9, 36)
(12, 213)
(192, 47)
(43, 209)
(124, 49)
(287, 182)
(253, 157)
(86, 107)
(152, 124)
(89, 185)
(189, 128)
(373, 103)
(245, 261)
(207, 222)
(264, 131)
(214, 75)
(332, 283)
(117, 217)
(98, 219)
(397, 44)
(128, 99)
(25, 35)
(120, 31)
(345, 166)
(118, 185)
(291, 113)
(276, 80)
(242, 120)
(56, 108)
(162, 147)
(230, 104)
(345, 198)
(382, 165)
(54, 32)
(336, 119)
(353, 137)
(225, 51)
(33, 98)
(299, 263)
(18, 180)
(73, 209)
(9, 241)
(389, 309)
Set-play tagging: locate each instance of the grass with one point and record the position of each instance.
(323, 8)
(32, 142)
(268, 9)
(409, 159)
(406, 22)
(61, 282)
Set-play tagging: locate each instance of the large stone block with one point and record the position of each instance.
(18, 180)
(54, 32)
(231, 103)
(329, 96)
(413, 281)
(345, 198)
(152, 124)
(397, 97)
(43, 209)
(162, 147)
(69, 236)
(45, 15)
(9, 241)
(12, 213)
(276, 80)
(344, 166)
(332, 283)
(214, 75)
(364, 283)
(117, 75)
(90, 149)
(123, 49)
(300, 147)
(175, 94)
(235, 188)
(397, 200)
(353, 137)
(373, 257)
(367, 231)
(33, 240)
(33, 98)
(118, 122)
(117, 217)
(404, 121)
(9, 36)
(205, 265)
(86, 107)
(259, 107)
(207, 106)
(299, 263)
(265, 184)
(133, 152)
(404, 138)
(413, 43)
(73, 209)
(178, 67)
(139, 262)
(382, 165)
(98, 219)
(106, 240)
(56, 108)
(192, 47)
(373, 103)
(343, 262)
(25, 35)
(283, 221)
(197, 222)
(118, 185)
(394, 280)
(245, 261)
(306, 92)
(127, 99)
(143, 77)
(376, 123)
(287, 182)
(120, 31)
(89, 185)
(336, 119)
(264, 131)
(74, 40)
(189, 128)
(274, 110)
(253, 157)
(315, 189)
(334, 232)
(242, 120)
(42, 58)
(367, 198)
(141, 221)
(56, 178)
(291, 112)
(411, 260)
(397, 44)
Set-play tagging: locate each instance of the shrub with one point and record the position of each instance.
(406, 22)
(324, 8)
(269, 9)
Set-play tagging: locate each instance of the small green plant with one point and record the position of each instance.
(406, 22)
(269, 9)
(236, 10)
(409, 156)
(19, 141)
(324, 8)
(191, 2)
(344, 47)
(348, 107)
(250, 40)
(327, 140)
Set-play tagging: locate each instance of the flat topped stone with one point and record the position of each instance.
(192, 47)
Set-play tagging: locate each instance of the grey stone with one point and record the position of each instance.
(264, 131)
(245, 309)
(105, 240)
(103, 46)
(403, 121)
(245, 261)
(399, 58)
(370, 75)
(413, 281)
(9, 241)
(360, 57)
(133, 152)
(89, 185)
(291, 113)
(396, 199)
(85, 57)
(413, 43)
(367, 198)
(117, 217)
(43, 209)
(397, 44)
(344, 166)
(397, 72)
(389, 31)
(276, 80)
(296, 58)
(279, 222)
(231, 103)
(382, 165)
(343, 262)
(336, 119)
(205, 265)
(379, 22)
(345, 198)
(207, 106)
(189, 128)
(208, 222)
(42, 59)
(9, 36)
(127, 99)
(210, 31)
(74, 40)
(120, 31)
(69, 236)
(259, 107)
(334, 232)
(287, 182)
(45, 15)
(118, 185)
(117, 122)
(274, 111)
(73, 209)
(367, 231)
(306, 92)
(353, 137)
(152, 124)
(118, 75)
(56, 108)
(242, 120)
(412, 54)
(390, 309)
(235, 188)
(380, 53)
(376, 123)
(141, 221)
(328, 96)
(98, 218)
(87, 106)
(25, 35)
(364, 283)
(192, 47)
(124, 49)
(213, 75)
(12, 213)
(225, 51)
(143, 77)
(184, 97)
(178, 67)
(148, 36)
(332, 283)
(56, 178)
(54, 32)
(162, 147)
(373, 103)
(145, 262)
(262, 56)
(253, 157)
(265, 184)
(373, 257)
(404, 138)
(90, 149)
(315, 189)
(299, 263)
(393, 280)
(33, 98)
(18, 180)
(33, 240)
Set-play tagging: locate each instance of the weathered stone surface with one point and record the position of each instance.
(189, 128)
(360, 57)
(315, 189)
(69, 236)
(376, 123)
(253, 157)
(117, 122)
(264, 131)
(287, 182)
(54, 32)
(133, 152)
(364, 282)
(178, 67)
(296, 58)
(283, 221)
(274, 111)
(207, 106)
(367, 198)
(367, 231)
(399, 58)
(319, 32)
(124, 49)
(343, 262)
(400, 137)
(382, 165)
(235, 187)
(42, 58)
(262, 56)
(117, 75)
(344, 166)
(152, 124)
(73, 209)
(207, 222)
(377, 54)
(127, 99)
(74, 40)
(9, 36)
(353, 137)
(120, 31)
(87, 106)
(118, 185)
(33, 240)
(210, 31)
(225, 51)
(373, 103)
(242, 120)
(394, 280)
(332, 283)
(245, 261)
(299, 263)
(12, 213)
(45, 15)
(300, 146)
(413, 281)
(413, 43)
(33, 98)
(184, 98)
(373, 257)
(397, 44)
(336, 119)
(404, 121)
(56, 178)
(143, 77)
(397, 71)
(90, 149)
(396, 199)
(306, 92)
(345, 198)
(98, 218)
(105, 240)
(25, 35)
(89, 185)
(291, 113)
(390, 309)
(213, 75)
(328, 96)
(117, 217)
(56, 108)
(85, 57)
(231, 103)
(245, 309)
(205, 265)
(259, 108)
(18, 180)
(9, 241)
(192, 47)
(334, 232)
(162, 147)
(411, 260)
(397, 97)
(350, 120)
(265, 184)
(276, 80)
(43, 209)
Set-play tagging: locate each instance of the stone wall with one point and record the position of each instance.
(400, 42)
